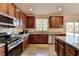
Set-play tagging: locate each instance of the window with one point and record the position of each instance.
(41, 24)
(72, 28)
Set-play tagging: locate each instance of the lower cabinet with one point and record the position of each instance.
(61, 50)
(2, 51)
(56, 46)
(69, 50)
(38, 38)
(25, 43)
(64, 49)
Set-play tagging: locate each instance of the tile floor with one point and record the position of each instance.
(40, 50)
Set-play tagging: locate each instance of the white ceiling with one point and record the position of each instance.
(48, 8)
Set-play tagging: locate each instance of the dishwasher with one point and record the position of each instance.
(51, 39)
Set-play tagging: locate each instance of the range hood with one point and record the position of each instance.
(6, 21)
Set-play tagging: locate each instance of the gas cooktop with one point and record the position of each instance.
(9, 40)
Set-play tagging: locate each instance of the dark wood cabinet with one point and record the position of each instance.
(30, 22)
(24, 20)
(69, 50)
(55, 21)
(64, 49)
(4, 8)
(11, 9)
(56, 46)
(38, 38)
(25, 43)
(61, 50)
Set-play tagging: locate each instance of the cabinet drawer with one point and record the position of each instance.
(70, 49)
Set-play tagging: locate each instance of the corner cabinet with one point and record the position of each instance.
(30, 22)
(55, 21)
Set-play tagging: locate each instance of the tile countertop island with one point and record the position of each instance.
(69, 43)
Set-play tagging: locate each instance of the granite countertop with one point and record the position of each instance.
(45, 32)
(70, 39)
(2, 44)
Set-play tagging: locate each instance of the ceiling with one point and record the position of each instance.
(48, 8)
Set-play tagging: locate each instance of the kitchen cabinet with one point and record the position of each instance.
(64, 49)
(61, 48)
(4, 8)
(11, 9)
(38, 38)
(55, 21)
(2, 51)
(69, 50)
(24, 20)
(56, 46)
(30, 22)
(25, 43)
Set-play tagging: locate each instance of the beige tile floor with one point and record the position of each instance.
(40, 50)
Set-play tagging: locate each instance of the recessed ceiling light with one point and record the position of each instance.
(30, 9)
(60, 9)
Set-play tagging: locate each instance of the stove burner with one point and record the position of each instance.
(9, 40)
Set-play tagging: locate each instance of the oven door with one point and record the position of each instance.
(16, 51)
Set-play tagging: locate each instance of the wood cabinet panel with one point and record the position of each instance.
(67, 53)
(56, 21)
(70, 49)
(24, 20)
(11, 10)
(64, 49)
(56, 47)
(25, 43)
(39, 38)
(61, 50)
(2, 51)
(4, 7)
(30, 22)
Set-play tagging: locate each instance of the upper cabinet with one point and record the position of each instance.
(4, 7)
(30, 22)
(56, 21)
(11, 9)
(24, 20)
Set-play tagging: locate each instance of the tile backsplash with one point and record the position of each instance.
(11, 30)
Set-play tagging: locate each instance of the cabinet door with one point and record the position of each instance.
(61, 50)
(11, 10)
(56, 22)
(39, 38)
(24, 20)
(69, 50)
(57, 47)
(30, 22)
(25, 43)
(4, 7)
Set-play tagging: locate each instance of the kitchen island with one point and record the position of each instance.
(67, 45)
